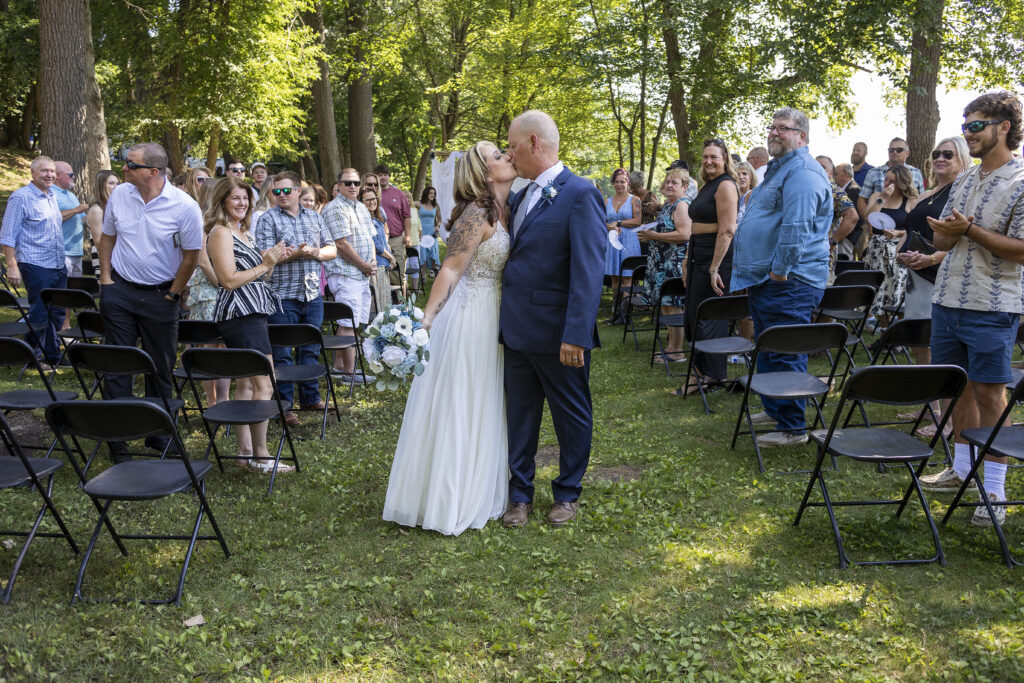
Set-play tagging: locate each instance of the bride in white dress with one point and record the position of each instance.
(450, 471)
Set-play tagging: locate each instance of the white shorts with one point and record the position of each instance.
(73, 265)
(355, 293)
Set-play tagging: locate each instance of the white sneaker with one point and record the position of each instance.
(762, 418)
(981, 516)
(946, 481)
(773, 439)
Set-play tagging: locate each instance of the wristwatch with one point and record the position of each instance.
(173, 296)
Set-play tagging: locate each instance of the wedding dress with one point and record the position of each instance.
(450, 471)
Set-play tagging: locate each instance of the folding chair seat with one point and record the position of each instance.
(19, 327)
(851, 305)
(237, 364)
(293, 336)
(671, 287)
(732, 309)
(632, 300)
(19, 471)
(104, 360)
(18, 353)
(74, 300)
(789, 384)
(137, 480)
(621, 293)
(891, 385)
(1005, 440)
(333, 312)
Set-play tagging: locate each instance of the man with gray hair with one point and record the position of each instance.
(788, 216)
(758, 158)
(71, 210)
(844, 177)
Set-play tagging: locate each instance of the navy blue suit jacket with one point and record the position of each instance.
(551, 288)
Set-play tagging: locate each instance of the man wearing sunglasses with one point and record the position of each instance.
(296, 278)
(236, 169)
(152, 234)
(976, 303)
(71, 210)
(874, 181)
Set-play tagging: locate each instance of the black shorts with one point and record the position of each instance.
(247, 332)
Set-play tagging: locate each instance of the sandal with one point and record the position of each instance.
(243, 459)
(674, 356)
(267, 467)
(688, 390)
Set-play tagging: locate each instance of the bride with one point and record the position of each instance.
(450, 470)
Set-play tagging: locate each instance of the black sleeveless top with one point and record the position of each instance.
(917, 219)
(899, 216)
(703, 209)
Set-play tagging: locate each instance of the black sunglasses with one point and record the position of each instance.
(349, 183)
(897, 150)
(278, 191)
(978, 126)
(236, 169)
(201, 179)
(946, 154)
(372, 185)
(132, 166)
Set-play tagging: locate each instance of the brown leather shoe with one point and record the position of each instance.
(319, 405)
(562, 512)
(516, 514)
(291, 418)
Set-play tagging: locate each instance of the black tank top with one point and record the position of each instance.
(703, 209)
(917, 219)
(899, 216)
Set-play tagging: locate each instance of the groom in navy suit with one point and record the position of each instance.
(550, 293)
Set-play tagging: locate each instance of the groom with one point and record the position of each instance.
(549, 297)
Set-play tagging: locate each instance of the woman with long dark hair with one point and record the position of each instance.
(430, 218)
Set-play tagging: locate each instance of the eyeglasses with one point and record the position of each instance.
(946, 154)
(236, 169)
(369, 200)
(978, 126)
(779, 130)
(200, 179)
(349, 183)
(278, 191)
(897, 150)
(132, 166)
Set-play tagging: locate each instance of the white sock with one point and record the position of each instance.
(995, 476)
(962, 460)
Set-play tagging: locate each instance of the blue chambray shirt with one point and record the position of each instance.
(31, 226)
(72, 227)
(785, 225)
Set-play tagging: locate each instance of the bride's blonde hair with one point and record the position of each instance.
(472, 186)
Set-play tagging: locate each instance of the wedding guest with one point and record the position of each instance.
(668, 244)
(384, 258)
(746, 180)
(321, 197)
(412, 263)
(71, 210)
(104, 184)
(244, 303)
(430, 218)
(758, 160)
(258, 172)
(622, 210)
(335, 190)
(844, 216)
(874, 181)
(708, 268)
(881, 253)
(396, 209)
(649, 204)
(858, 161)
(194, 177)
(265, 201)
(178, 181)
(307, 197)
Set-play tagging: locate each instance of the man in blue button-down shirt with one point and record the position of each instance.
(781, 257)
(33, 245)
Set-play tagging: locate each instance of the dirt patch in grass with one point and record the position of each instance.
(29, 430)
(548, 455)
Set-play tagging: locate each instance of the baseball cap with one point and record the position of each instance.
(678, 163)
(256, 164)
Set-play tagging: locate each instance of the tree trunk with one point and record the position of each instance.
(421, 171)
(213, 149)
(323, 99)
(175, 154)
(922, 107)
(73, 128)
(676, 90)
(308, 164)
(361, 140)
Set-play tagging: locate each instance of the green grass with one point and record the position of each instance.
(14, 172)
(683, 564)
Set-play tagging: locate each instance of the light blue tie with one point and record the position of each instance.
(523, 209)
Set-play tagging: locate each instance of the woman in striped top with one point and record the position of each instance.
(243, 303)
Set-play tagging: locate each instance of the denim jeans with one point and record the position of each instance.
(293, 312)
(790, 302)
(37, 279)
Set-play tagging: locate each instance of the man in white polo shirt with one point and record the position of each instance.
(152, 234)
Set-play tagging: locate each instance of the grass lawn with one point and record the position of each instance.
(683, 564)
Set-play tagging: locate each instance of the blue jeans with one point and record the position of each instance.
(783, 303)
(293, 312)
(36, 279)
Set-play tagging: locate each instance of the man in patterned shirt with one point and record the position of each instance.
(296, 278)
(844, 215)
(976, 304)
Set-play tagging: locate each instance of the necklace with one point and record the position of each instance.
(944, 188)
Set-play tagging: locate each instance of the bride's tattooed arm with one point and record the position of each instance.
(469, 231)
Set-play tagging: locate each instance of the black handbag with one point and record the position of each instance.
(915, 242)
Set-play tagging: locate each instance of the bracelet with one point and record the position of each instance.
(968, 228)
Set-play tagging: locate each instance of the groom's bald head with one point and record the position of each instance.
(533, 143)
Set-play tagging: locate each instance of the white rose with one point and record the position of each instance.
(392, 356)
(394, 312)
(410, 343)
(421, 337)
(417, 314)
(403, 326)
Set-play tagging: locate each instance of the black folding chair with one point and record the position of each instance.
(237, 364)
(732, 309)
(18, 353)
(73, 300)
(6, 285)
(628, 263)
(293, 336)
(1020, 341)
(789, 384)
(333, 312)
(192, 332)
(414, 252)
(844, 265)
(850, 305)
(19, 471)
(673, 286)
(85, 284)
(633, 303)
(19, 327)
(849, 278)
(105, 360)
(1005, 440)
(127, 420)
(892, 385)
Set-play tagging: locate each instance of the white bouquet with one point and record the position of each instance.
(396, 346)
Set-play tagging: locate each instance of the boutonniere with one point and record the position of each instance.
(549, 192)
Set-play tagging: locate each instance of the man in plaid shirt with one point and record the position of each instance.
(296, 278)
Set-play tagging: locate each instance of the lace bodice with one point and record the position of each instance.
(488, 262)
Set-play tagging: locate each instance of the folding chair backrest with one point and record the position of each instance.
(724, 308)
(912, 332)
(337, 310)
(15, 352)
(639, 272)
(91, 321)
(68, 298)
(115, 420)
(9, 300)
(800, 339)
(872, 278)
(632, 263)
(905, 384)
(847, 296)
(844, 265)
(107, 359)
(294, 335)
(226, 363)
(673, 286)
(412, 252)
(197, 332)
(86, 284)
